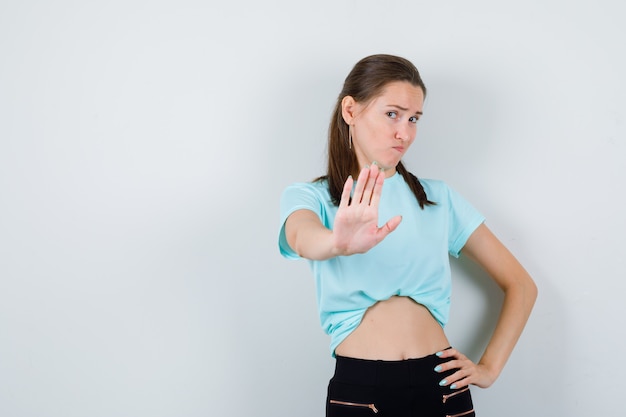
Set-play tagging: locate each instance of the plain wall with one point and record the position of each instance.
(144, 146)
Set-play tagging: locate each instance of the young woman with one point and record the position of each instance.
(383, 291)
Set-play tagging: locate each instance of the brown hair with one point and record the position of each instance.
(365, 82)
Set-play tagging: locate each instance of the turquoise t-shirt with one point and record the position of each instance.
(412, 261)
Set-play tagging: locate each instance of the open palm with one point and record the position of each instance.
(356, 223)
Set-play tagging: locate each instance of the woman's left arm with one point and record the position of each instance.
(520, 293)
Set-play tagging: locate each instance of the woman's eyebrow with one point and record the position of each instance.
(402, 108)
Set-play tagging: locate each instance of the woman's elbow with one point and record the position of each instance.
(532, 290)
(527, 289)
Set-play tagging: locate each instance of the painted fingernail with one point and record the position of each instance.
(443, 382)
(439, 353)
(374, 163)
(453, 386)
(438, 368)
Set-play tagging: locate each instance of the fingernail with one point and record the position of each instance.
(439, 353)
(366, 167)
(442, 382)
(438, 368)
(453, 386)
(374, 163)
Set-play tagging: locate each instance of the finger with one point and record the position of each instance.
(449, 353)
(345, 194)
(462, 383)
(360, 185)
(452, 360)
(448, 365)
(453, 379)
(389, 227)
(457, 380)
(378, 189)
(371, 182)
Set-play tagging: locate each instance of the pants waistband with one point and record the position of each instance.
(405, 372)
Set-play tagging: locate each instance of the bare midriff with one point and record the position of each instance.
(394, 329)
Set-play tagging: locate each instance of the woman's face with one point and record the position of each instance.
(384, 129)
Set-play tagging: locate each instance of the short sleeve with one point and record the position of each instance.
(463, 220)
(296, 197)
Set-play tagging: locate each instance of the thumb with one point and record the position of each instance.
(390, 226)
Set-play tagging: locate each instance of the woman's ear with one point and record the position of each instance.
(348, 109)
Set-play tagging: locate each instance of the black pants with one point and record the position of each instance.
(406, 388)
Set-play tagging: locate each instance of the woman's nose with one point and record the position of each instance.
(403, 133)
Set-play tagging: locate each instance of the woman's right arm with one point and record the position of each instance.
(308, 237)
(355, 229)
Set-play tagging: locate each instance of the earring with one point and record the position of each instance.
(350, 137)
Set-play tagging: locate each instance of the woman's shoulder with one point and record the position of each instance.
(439, 190)
(313, 195)
(434, 185)
(316, 189)
(316, 185)
(432, 182)
(444, 194)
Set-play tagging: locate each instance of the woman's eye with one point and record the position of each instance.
(392, 114)
(413, 119)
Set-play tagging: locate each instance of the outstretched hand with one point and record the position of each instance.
(356, 223)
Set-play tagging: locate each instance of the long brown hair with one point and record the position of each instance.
(365, 82)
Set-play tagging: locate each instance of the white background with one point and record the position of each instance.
(144, 146)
